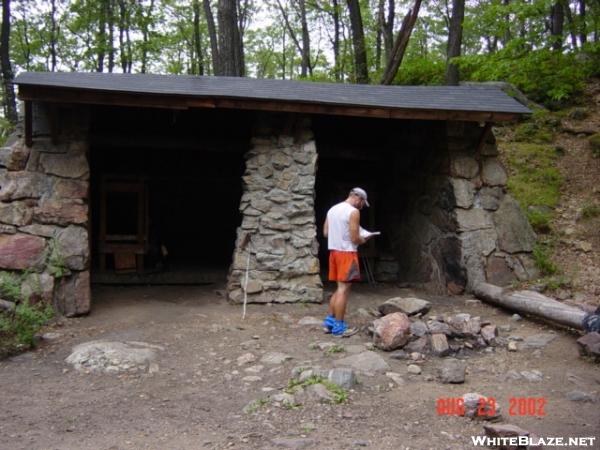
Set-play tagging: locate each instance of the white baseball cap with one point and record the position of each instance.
(361, 193)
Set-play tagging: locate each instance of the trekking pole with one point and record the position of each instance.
(243, 246)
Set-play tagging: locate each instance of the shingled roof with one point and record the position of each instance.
(181, 91)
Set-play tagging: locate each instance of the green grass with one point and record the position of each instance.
(256, 405)
(542, 260)
(18, 327)
(590, 210)
(595, 145)
(337, 348)
(10, 287)
(339, 394)
(535, 181)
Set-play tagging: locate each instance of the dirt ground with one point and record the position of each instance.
(196, 399)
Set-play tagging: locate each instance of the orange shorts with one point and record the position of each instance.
(343, 266)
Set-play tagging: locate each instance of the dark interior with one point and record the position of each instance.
(388, 159)
(178, 173)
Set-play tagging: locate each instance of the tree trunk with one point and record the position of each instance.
(197, 59)
(529, 302)
(380, 25)
(306, 62)
(10, 103)
(111, 35)
(506, 37)
(388, 31)
(582, 29)
(101, 40)
(455, 41)
(336, 40)
(124, 37)
(557, 19)
(358, 42)
(571, 24)
(401, 42)
(229, 39)
(212, 34)
(53, 36)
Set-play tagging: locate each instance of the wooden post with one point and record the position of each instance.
(28, 123)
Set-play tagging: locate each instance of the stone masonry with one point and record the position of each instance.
(44, 217)
(278, 221)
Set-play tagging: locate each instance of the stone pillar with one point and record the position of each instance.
(278, 219)
(495, 236)
(44, 215)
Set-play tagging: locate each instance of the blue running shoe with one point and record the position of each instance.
(340, 329)
(328, 324)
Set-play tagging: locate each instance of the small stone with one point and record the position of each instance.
(418, 328)
(505, 328)
(254, 369)
(309, 321)
(396, 378)
(246, 358)
(538, 340)
(512, 346)
(275, 358)
(251, 378)
(409, 306)
(342, 377)
(453, 371)
(580, 396)
(532, 375)
(515, 317)
(399, 354)
(414, 369)
(439, 344)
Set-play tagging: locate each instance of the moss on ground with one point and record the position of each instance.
(535, 180)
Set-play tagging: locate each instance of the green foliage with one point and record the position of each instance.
(335, 349)
(595, 144)
(590, 210)
(535, 180)
(25, 321)
(421, 71)
(545, 76)
(543, 261)
(57, 265)
(256, 405)
(339, 394)
(10, 287)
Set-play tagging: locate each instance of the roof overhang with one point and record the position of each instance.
(184, 92)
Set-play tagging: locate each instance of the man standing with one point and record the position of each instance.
(342, 230)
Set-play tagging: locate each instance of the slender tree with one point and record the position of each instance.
(198, 56)
(10, 103)
(358, 42)
(401, 43)
(230, 45)
(557, 19)
(455, 41)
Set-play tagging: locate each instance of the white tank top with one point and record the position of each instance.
(338, 233)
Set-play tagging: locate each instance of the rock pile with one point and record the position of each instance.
(436, 335)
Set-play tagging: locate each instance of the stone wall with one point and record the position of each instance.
(278, 218)
(461, 226)
(44, 213)
(496, 237)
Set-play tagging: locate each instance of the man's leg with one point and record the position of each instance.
(341, 299)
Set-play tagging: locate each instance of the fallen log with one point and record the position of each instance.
(532, 303)
(6, 305)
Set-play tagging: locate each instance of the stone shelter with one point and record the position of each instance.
(128, 175)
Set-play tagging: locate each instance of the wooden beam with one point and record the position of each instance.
(484, 134)
(28, 123)
(65, 95)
